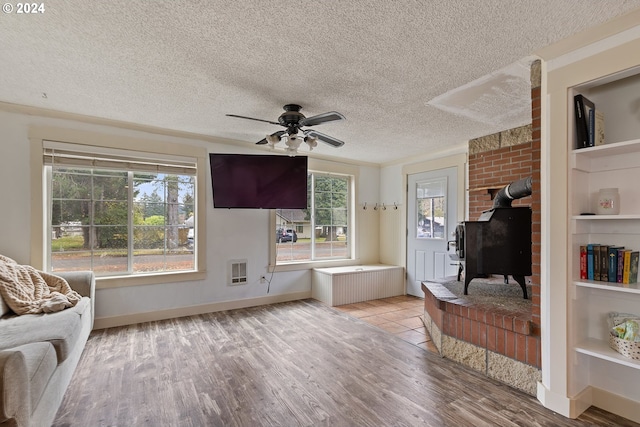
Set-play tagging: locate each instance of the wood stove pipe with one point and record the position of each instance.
(515, 190)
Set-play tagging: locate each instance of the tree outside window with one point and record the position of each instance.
(119, 222)
(324, 223)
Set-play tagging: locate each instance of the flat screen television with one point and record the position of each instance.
(252, 181)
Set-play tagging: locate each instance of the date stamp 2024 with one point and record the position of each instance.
(23, 8)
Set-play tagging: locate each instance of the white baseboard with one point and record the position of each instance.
(563, 405)
(573, 407)
(616, 404)
(130, 319)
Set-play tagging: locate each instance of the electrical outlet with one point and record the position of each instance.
(263, 279)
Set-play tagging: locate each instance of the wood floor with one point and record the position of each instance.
(292, 364)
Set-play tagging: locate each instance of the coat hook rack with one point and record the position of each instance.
(380, 206)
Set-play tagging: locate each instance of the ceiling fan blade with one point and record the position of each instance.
(251, 118)
(321, 118)
(278, 134)
(324, 138)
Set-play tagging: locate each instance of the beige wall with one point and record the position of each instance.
(238, 234)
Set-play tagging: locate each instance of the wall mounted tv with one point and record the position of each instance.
(258, 181)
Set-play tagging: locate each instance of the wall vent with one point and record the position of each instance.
(237, 272)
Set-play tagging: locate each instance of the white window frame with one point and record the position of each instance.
(325, 168)
(95, 142)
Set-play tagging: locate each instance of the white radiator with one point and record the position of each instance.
(346, 285)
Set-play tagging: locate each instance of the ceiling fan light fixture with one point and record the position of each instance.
(272, 140)
(311, 142)
(291, 151)
(293, 142)
(293, 121)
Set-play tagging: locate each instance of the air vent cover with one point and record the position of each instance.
(237, 272)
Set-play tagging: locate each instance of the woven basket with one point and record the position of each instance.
(626, 348)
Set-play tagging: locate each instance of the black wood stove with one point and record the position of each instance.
(500, 241)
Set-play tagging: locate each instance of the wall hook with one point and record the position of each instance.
(395, 206)
(384, 208)
(375, 208)
(365, 206)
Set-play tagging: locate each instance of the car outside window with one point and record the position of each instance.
(319, 232)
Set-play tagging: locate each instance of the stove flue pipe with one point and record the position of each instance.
(515, 190)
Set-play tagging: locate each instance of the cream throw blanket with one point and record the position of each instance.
(29, 291)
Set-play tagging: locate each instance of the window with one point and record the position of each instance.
(320, 232)
(431, 205)
(118, 212)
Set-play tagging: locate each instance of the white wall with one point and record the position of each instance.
(391, 190)
(393, 193)
(231, 234)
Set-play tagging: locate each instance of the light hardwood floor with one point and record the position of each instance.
(292, 364)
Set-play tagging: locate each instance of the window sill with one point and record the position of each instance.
(308, 265)
(148, 279)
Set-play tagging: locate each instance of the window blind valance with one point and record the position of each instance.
(76, 155)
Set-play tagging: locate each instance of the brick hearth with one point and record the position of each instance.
(493, 340)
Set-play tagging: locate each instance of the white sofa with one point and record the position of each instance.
(39, 353)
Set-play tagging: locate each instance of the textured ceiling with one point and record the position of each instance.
(411, 77)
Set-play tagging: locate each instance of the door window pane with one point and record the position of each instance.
(431, 203)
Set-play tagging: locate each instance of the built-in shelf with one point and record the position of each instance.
(632, 288)
(601, 350)
(624, 147)
(596, 374)
(605, 217)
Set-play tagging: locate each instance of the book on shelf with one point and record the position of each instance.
(598, 128)
(613, 263)
(633, 266)
(590, 261)
(626, 267)
(630, 269)
(582, 107)
(608, 263)
(620, 268)
(596, 262)
(604, 263)
(591, 118)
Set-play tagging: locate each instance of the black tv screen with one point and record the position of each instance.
(258, 181)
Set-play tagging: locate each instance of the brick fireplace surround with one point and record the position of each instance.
(504, 344)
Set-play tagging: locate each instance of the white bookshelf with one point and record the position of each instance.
(605, 217)
(579, 368)
(600, 349)
(632, 288)
(615, 164)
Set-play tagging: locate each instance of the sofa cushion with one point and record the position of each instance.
(4, 308)
(41, 361)
(62, 329)
(14, 390)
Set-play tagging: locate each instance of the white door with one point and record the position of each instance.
(431, 222)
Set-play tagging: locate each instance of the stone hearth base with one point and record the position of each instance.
(473, 336)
